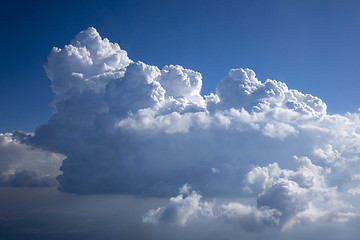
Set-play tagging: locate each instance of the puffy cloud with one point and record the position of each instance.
(327, 153)
(128, 127)
(300, 196)
(138, 89)
(180, 209)
(88, 62)
(181, 83)
(22, 166)
(241, 89)
(284, 198)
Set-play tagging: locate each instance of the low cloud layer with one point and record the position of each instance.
(300, 196)
(284, 198)
(22, 166)
(128, 127)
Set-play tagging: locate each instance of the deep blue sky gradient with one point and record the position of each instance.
(311, 45)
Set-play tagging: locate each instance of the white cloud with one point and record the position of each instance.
(88, 62)
(181, 83)
(300, 196)
(284, 198)
(327, 153)
(243, 90)
(180, 209)
(128, 127)
(279, 130)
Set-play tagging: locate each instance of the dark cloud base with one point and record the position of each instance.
(44, 213)
(27, 178)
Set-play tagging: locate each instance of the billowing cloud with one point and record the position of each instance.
(241, 89)
(88, 62)
(128, 127)
(186, 206)
(300, 196)
(284, 198)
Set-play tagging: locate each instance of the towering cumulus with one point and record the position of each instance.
(128, 127)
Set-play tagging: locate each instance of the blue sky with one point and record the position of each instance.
(310, 45)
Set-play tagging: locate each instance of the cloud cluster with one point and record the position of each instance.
(284, 198)
(128, 127)
(300, 196)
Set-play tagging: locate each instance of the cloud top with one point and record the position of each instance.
(88, 62)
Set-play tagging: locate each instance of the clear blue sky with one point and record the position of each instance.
(312, 46)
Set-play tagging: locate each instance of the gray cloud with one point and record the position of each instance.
(251, 218)
(27, 178)
(23, 166)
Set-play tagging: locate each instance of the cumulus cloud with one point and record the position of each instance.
(327, 153)
(128, 127)
(241, 89)
(300, 196)
(22, 166)
(284, 198)
(88, 62)
(181, 209)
